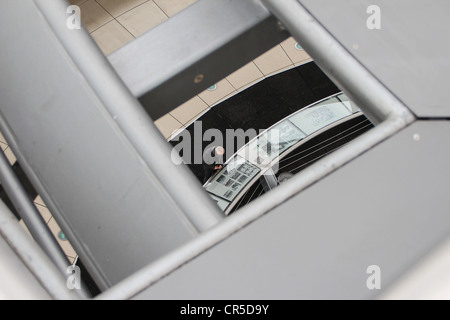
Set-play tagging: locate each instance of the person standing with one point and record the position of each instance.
(212, 161)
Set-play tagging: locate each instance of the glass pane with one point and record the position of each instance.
(232, 179)
(317, 117)
(265, 148)
(223, 205)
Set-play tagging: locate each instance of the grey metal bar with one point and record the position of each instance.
(25, 182)
(31, 217)
(32, 256)
(193, 50)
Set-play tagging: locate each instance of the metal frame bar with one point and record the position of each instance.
(134, 121)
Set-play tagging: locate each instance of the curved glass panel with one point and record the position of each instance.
(264, 151)
(231, 180)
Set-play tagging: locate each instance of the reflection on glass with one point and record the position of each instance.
(319, 116)
(351, 106)
(232, 179)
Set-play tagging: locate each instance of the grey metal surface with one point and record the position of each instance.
(90, 150)
(132, 121)
(377, 210)
(409, 54)
(196, 48)
(30, 215)
(372, 96)
(25, 270)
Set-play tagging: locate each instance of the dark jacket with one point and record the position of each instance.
(210, 161)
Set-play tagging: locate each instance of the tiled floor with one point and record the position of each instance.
(114, 23)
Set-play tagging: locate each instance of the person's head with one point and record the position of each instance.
(213, 155)
(219, 151)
